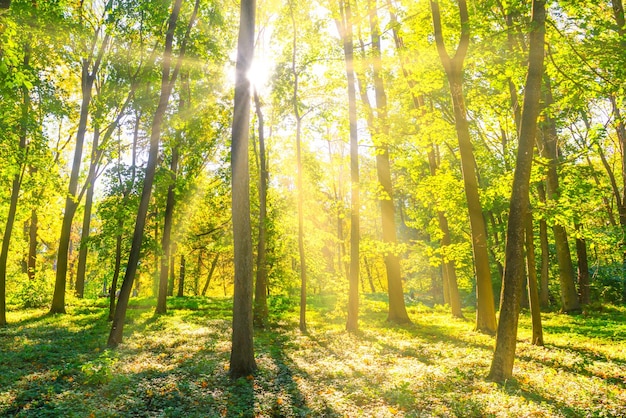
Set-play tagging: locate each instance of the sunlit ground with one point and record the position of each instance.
(177, 365)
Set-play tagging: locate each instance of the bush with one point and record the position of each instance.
(35, 293)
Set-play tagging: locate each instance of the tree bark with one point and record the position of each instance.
(533, 294)
(506, 337)
(261, 312)
(485, 312)
(116, 334)
(569, 295)
(242, 353)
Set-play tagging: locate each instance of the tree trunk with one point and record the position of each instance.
(116, 335)
(58, 298)
(583, 268)
(544, 295)
(533, 294)
(569, 295)
(485, 312)
(210, 275)
(504, 355)
(298, 116)
(32, 245)
(181, 277)
(116, 272)
(261, 312)
(345, 29)
(242, 353)
(15, 193)
(380, 133)
(161, 307)
(82, 253)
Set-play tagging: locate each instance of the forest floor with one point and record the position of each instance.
(177, 364)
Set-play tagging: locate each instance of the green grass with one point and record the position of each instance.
(177, 364)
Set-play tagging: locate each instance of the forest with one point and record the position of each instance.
(343, 208)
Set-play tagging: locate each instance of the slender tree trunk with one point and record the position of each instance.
(583, 268)
(569, 295)
(506, 338)
(15, 192)
(181, 277)
(167, 232)
(370, 279)
(210, 275)
(58, 299)
(261, 312)
(397, 309)
(345, 28)
(242, 353)
(533, 293)
(32, 244)
(618, 13)
(544, 295)
(454, 298)
(172, 276)
(116, 335)
(82, 253)
(116, 272)
(485, 312)
(298, 116)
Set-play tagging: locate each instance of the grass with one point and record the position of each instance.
(177, 364)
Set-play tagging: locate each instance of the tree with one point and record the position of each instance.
(506, 337)
(167, 83)
(345, 29)
(15, 190)
(242, 353)
(90, 66)
(485, 312)
(260, 290)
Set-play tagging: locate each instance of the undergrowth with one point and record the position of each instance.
(177, 364)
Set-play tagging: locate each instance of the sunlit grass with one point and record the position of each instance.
(177, 364)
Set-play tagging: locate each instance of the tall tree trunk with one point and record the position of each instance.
(485, 312)
(583, 268)
(569, 295)
(15, 192)
(533, 293)
(397, 309)
(116, 334)
(82, 253)
(87, 80)
(120, 222)
(345, 28)
(618, 13)
(242, 353)
(261, 311)
(506, 337)
(298, 116)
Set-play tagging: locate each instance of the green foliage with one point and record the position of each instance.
(34, 293)
(99, 371)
